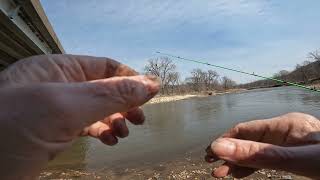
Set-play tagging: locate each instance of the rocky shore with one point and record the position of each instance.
(188, 169)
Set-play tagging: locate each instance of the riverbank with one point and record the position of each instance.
(170, 98)
(317, 86)
(187, 169)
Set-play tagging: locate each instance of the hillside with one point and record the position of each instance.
(308, 74)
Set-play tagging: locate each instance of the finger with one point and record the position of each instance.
(101, 98)
(108, 138)
(222, 171)
(247, 153)
(236, 171)
(118, 125)
(101, 67)
(251, 154)
(74, 106)
(103, 132)
(65, 68)
(252, 130)
(279, 130)
(135, 116)
(272, 131)
(210, 156)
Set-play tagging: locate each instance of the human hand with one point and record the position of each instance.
(48, 101)
(289, 142)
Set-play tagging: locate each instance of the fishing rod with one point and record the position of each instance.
(242, 72)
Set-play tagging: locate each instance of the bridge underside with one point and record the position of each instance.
(25, 31)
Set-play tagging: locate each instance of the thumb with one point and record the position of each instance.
(302, 160)
(93, 101)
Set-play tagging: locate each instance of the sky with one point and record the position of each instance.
(260, 36)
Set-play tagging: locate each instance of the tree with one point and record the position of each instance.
(203, 80)
(227, 83)
(212, 79)
(173, 81)
(197, 79)
(281, 73)
(315, 55)
(301, 73)
(306, 63)
(161, 67)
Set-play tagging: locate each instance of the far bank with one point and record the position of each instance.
(177, 97)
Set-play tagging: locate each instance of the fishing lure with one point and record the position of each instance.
(243, 72)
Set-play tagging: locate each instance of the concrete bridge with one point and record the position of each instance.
(25, 31)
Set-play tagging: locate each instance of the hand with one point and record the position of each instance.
(48, 101)
(289, 142)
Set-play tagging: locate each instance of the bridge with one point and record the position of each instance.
(25, 31)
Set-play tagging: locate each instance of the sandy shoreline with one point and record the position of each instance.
(315, 86)
(170, 98)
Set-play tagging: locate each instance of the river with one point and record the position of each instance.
(176, 131)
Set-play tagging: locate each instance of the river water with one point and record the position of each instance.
(176, 130)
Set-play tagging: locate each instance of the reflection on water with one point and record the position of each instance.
(176, 128)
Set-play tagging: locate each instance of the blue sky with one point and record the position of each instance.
(261, 36)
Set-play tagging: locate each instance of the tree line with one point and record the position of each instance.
(197, 81)
(308, 73)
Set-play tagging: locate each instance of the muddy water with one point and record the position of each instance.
(176, 131)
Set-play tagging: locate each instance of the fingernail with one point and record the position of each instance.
(223, 147)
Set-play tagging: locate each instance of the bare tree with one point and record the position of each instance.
(212, 79)
(306, 63)
(161, 67)
(195, 79)
(315, 55)
(173, 81)
(227, 83)
(203, 80)
(281, 73)
(301, 73)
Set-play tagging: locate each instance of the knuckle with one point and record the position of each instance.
(121, 91)
(240, 155)
(99, 89)
(246, 154)
(130, 92)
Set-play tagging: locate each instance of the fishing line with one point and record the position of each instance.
(243, 72)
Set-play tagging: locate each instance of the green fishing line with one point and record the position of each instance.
(243, 72)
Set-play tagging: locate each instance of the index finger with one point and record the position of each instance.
(252, 130)
(79, 67)
(102, 67)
